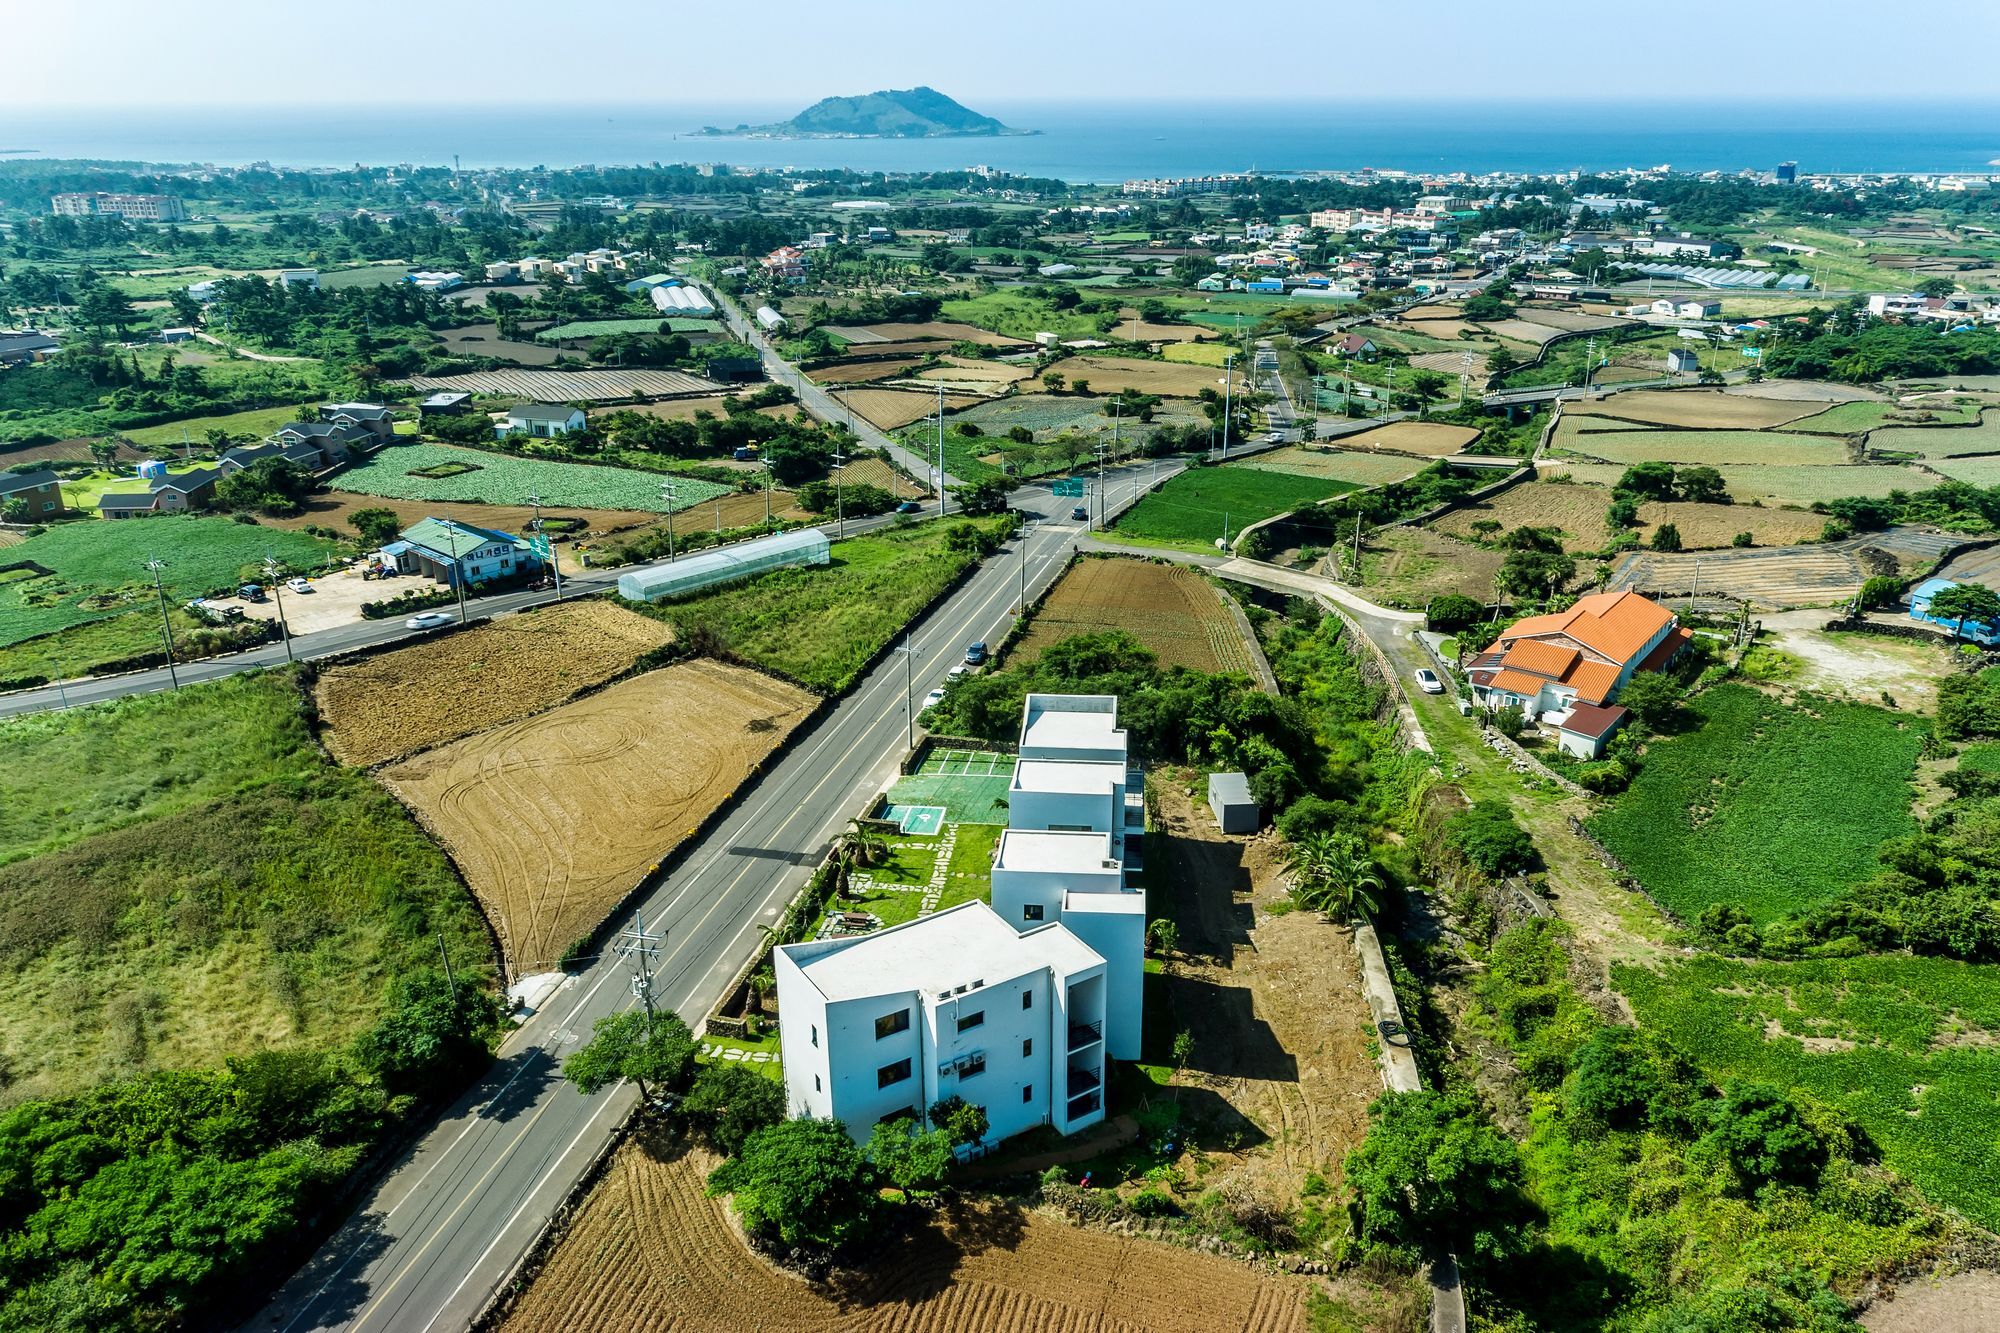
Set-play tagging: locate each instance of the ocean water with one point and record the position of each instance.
(1077, 142)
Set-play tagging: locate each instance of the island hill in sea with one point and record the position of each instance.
(914, 113)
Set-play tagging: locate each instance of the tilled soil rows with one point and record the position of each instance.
(650, 1251)
(456, 684)
(553, 819)
(1166, 607)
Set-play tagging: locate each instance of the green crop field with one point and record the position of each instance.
(98, 567)
(1904, 1045)
(1018, 315)
(1192, 509)
(1198, 354)
(1712, 447)
(1802, 484)
(1940, 441)
(597, 328)
(258, 422)
(1854, 418)
(1763, 806)
(819, 625)
(502, 479)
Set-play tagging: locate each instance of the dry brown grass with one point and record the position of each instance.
(886, 409)
(331, 510)
(1579, 509)
(455, 684)
(942, 329)
(681, 1267)
(877, 472)
(1169, 608)
(555, 818)
(1109, 374)
(1428, 439)
(1135, 330)
(1699, 408)
(686, 409)
(977, 374)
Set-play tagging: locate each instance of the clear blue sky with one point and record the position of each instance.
(64, 54)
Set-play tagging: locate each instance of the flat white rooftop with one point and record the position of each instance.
(935, 953)
(1075, 777)
(1056, 853)
(1071, 721)
(1127, 902)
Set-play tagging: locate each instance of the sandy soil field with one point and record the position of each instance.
(1429, 439)
(1169, 608)
(1961, 1303)
(455, 684)
(1109, 374)
(1700, 408)
(681, 1267)
(886, 409)
(555, 818)
(941, 328)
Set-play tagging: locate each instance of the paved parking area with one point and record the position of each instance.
(335, 599)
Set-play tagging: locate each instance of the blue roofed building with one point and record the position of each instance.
(1920, 609)
(447, 550)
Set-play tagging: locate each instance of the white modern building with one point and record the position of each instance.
(1075, 880)
(1075, 773)
(956, 1003)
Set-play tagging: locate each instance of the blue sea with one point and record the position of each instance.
(1077, 142)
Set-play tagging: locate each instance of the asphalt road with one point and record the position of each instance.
(445, 1227)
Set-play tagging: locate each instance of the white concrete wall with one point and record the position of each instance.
(1066, 810)
(1011, 1067)
(1119, 937)
(1013, 889)
(802, 1036)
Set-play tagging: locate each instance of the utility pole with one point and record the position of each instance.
(1099, 451)
(155, 564)
(555, 565)
(1228, 383)
(767, 496)
(641, 949)
(940, 450)
(667, 494)
(909, 689)
(1357, 546)
(839, 507)
(1024, 574)
(449, 979)
(284, 630)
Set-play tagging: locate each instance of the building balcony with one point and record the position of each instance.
(1085, 1034)
(1080, 1107)
(1083, 1081)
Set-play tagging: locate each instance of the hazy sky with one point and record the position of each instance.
(64, 54)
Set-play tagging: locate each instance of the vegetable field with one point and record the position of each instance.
(1802, 484)
(502, 479)
(1910, 1047)
(1765, 806)
(1194, 508)
(1710, 447)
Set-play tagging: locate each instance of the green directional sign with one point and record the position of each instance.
(539, 544)
(1068, 486)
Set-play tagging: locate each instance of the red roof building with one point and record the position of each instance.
(1551, 666)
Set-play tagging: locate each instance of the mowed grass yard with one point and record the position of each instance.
(1766, 806)
(1193, 509)
(186, 877)
(818, 626)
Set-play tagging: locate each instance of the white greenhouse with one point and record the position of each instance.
(805, 546)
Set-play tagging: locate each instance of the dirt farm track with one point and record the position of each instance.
(650, 1251)
(554, 818)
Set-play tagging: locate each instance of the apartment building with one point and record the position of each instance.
(956, 1003)
(132, 207)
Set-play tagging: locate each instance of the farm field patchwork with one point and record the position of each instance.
(452, 685)
(861, 372)
(554, 818)
(1192, 509)
(888, 409)
(1110, 374)
(1983, 471)
(984, 1265)
(1940, 441)
(1855, 418)
(941, 330)
(1357, 469)
(1169, 608)
(1709, 409)
(1429, 439)
(1906, 1046)
(495, 478)
(1766, 806)
(1576, 509)
(97, 568)
(1795, 484)
(1711, 447)
(330, 509)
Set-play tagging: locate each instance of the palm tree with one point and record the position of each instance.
(1333, 874)
(864, 843)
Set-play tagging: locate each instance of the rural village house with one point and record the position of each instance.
(543, 420)
(39, 490)
(447, 550)
(165, 494)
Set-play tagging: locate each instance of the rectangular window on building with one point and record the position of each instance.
(971, 1021)
(890, 1074)
(888, 1025)
(816, 1086)
(1027, 999)
(1027, 1047)
(1031, 911)
(815, 1034)
(1027, 1092)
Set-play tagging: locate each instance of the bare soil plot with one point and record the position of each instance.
(485, 340)
(1574, 321)
(1799, 484)
(860, 372)
(1428, 439)
(331, 510)
(1960, 1303)
(63, 451)
(1524, 330)
(1862, 667)
(1358, 469)
(1281, 1028)
(568, 386)
(553, 819)
(1804, 391)
(877, 472)
(1407, 567)
(977, 374)
(1109, 374)
(887, 409)
(687, 409)
(1771, 580)
(1576, 509)
(1711, 447)
(682, 1267)
(455, 684)
(1169, 608)
(1136, 330)
(737, 509)
(1425, 314)
(1703, 526)
(941, 329)
(1698, 408)
(1451, 330)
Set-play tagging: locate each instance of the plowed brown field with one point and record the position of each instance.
(1166, 607)
(1110, 374)
(861, 372)
(886, 409)
(553, 819)
(650, 1251)
(1431, 439)
(456, 684)
(877, 472)
(1579, 510)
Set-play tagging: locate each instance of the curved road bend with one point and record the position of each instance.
(446, 1226)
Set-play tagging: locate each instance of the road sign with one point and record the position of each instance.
(1068, 486)
(542, 549)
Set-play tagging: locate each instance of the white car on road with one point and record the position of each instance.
(299, 585)
(428, 620)
(931, 700)
(1428, 682)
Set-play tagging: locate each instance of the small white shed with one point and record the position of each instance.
(1236, 811)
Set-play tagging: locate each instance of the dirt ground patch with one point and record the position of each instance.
(554, 818)
(1335, 464)
(1169, 608)
(687, 409)
(1578, 510)
(1705, 526)
(1109, 374)
(1522, 330)
(331, 510)
(1429, 439)
(455, 684)
(1274, 1000)
(1706, 408)
(1804, 391)
(1407, 567)
(682, 1268)
(887, 409)
(978, 374)
(1960, 1303)
(738, 509)
(944, 329)
(1862, 667)
(485, 340)
(861, 372)
(877, 472)
(1573, 321)
(1135, 330)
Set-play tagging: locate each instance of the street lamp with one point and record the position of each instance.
(1228, 384)
(156, 564)
(284, 630)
